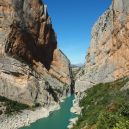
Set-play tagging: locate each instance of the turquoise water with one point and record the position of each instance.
(57, 119)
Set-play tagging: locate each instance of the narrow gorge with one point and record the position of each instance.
(37, 78)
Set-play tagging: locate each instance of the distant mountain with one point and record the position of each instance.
(76, 65)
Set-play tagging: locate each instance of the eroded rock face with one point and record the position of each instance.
(32, 68)
(108, 55)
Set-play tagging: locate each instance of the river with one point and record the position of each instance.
(58, 119)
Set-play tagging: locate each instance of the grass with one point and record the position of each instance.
(12, 106)
(105, 107)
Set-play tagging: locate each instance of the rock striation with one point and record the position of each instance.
(32, 69)
(108, 56)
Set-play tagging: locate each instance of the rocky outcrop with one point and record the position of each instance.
(32, 69)
(107, 58)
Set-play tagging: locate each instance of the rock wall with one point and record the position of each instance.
(32, 69)
(108, 56)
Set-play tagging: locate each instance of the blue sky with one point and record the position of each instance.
(72, 21)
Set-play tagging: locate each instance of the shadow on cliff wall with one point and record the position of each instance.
(25, 44)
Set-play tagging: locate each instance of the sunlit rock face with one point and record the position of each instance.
(108, 56)
(32, 68)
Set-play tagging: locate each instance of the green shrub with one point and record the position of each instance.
(12, 106)
(124, 110)
(104, 106)
(122, 125)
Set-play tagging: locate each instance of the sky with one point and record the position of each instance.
(72, 21)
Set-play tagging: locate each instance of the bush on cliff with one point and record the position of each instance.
(105, 107)
(12, 106)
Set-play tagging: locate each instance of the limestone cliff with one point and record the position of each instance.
(108, 56)
(32, 69)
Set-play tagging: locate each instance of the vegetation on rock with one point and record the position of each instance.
(105, 106)
(12, 106)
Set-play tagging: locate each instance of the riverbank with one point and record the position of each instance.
(58, 119)
(26, 117)
(76, 109)
(41, 118)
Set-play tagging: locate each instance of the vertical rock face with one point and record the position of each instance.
(32, 68)
(107, 58)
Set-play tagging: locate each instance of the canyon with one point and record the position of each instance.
(36, 75)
